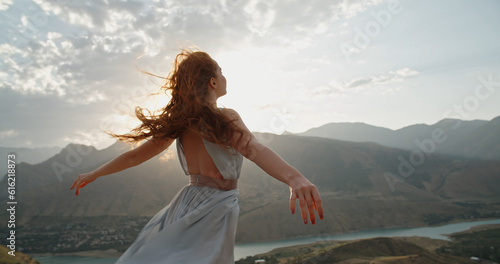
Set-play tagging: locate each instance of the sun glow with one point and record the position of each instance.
(254, 84)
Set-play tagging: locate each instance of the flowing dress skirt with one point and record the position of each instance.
(198, 226)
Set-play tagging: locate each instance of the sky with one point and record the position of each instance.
(70, 69)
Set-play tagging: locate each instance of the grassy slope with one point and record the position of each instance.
(482, 242)
(19, 257)
(375, 250)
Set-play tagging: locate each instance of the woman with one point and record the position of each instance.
(199, 224)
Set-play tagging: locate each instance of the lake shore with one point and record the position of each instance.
(109, 253)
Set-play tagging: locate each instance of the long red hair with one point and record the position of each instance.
(188, 108)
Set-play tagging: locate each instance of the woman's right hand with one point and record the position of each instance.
(82, 180)
(309, 199)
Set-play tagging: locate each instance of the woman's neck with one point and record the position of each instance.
(212, 99)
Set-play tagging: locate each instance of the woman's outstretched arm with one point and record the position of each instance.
(300, 187)
(128, 159)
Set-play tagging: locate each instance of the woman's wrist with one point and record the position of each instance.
(94, 174)
(295, 179)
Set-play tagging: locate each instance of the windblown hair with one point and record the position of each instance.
(188, 108)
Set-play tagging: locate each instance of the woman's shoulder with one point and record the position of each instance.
(229, 112)
(232, 115)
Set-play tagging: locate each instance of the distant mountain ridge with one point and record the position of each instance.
(477, 139)
(28, 155)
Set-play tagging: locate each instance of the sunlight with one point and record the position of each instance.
(255, 82)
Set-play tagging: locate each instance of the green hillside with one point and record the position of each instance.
(19, 257)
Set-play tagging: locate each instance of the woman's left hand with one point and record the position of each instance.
(82, 180)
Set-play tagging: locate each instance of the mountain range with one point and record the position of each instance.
(476, 139)
(28, 155)
(364, 185)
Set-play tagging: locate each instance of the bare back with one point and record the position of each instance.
(198, 160)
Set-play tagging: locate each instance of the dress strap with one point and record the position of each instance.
(227, 160)
(182, 157)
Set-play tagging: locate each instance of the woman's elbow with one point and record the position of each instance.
(131, 159)
(253, 151)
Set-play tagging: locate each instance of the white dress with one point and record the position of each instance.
(199, 224)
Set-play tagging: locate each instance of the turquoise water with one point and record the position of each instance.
(243, 250)
(73, 260)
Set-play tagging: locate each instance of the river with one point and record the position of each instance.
(243, 250)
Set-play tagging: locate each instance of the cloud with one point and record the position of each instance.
(350, 8)
(404, 72)
(91, 14)
(5, 4)
(294, 24)
(383, 83)
(7, 133)
(375, 81)
(261, 16)
(104, 33)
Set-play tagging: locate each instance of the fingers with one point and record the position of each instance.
(303, 207)
(310, 208)
(78, 186)
(309, 202)
(80, 182)
(302, 204)
(293, 197)
(318, 203)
